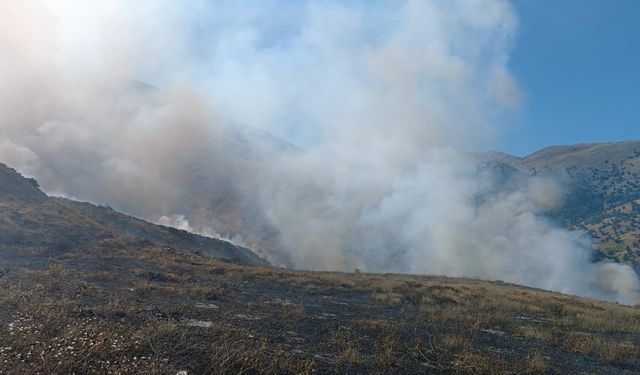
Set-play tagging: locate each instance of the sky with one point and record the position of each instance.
(578, 63)
(575, 62)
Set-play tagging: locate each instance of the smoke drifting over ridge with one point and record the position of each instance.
(381, 95)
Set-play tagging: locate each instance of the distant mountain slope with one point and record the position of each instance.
(602, 182)
(603, 190)
(35, 227)
(86, 290)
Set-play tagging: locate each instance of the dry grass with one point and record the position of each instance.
(608, 351)
(543, 334)
(537, 364)
(351, 356)
(456, 342)
(183, 312)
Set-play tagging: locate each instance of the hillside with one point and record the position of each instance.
(161, 313)
(35, 228)
(602, 183)
(89, 290)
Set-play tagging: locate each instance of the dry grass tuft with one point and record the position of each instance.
(537, 364)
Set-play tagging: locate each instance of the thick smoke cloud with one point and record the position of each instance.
(384, 98)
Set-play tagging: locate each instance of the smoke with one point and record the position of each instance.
(384, 97)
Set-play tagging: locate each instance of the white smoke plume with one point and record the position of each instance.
(383, 96)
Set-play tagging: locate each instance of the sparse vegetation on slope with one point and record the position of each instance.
(603, 191)
(34, 227)
(89, 290)
(162, 313)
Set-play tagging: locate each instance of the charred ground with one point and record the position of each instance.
(89, 290)
(161, 312)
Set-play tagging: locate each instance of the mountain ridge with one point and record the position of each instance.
(34, 223)
(90, 290)
(602, 182)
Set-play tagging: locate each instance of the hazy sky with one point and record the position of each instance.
(575, 61)
(578, 61)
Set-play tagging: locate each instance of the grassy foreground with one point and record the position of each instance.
(162, 312)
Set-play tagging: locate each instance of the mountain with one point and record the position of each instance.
(86, 289)
(602, 183)
(35, 228)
